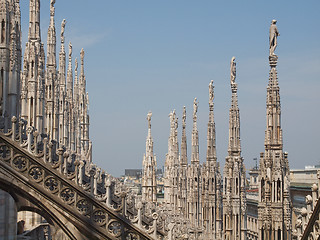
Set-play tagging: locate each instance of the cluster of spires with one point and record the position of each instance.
(216, 207)
(52, 100)
(10, 47)
(193, 191)
(56, 105)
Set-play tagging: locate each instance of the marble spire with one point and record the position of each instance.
(34, 21)
(70, 76)
(10, 65)
(51, 78)
(183, 154)
(62, 59)
(274, 208)
(211, 176)
(234, 195)
(82, 76)
(234, 147)
(211, 135)
(195, 136)
(62, 89)
(32, 86)
(84, 100)
(149, 183)
(149, 142)
(51, 39)
(70, 103)
(183, 175)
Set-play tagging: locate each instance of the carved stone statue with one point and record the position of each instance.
(195, 107)
(273, 37)
(52, 2)
(76, 64)
(233, 70)
(63, 25)
(211, 92)
(184, 115)
(149, 118)
(82, 55)
(70, 49)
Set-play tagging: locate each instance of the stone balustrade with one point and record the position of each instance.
(80, 184)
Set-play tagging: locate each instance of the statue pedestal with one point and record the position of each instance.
(273, 60)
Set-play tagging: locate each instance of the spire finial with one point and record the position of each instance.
(172, 117)
(34, 20)
(149, 119)
(176, 122)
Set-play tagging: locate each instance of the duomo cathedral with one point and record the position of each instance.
(44, 109)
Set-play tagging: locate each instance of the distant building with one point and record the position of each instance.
(138, 173)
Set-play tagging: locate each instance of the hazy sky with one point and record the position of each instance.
(158, 55)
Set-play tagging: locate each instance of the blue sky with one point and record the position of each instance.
(158, 55)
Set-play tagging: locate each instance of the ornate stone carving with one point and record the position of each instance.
(131, 236)
(51, 184)
(4, 152)
(67, 195)
(36, 173)
(83, 206)
(115, 228)
(99, 217)
(20, 163)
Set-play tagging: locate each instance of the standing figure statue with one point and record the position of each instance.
(211, 92)
(184, 116)
(76, 65)
(149, 119)
(273, 37)
(70, 49)
(82, 55)
(233, 70)
(63, 25)
(195, 108)
(52, 2)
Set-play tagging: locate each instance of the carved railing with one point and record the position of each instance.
(308, 222)
(80, 188)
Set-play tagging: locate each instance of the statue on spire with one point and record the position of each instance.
(211, 92)
(82, 56)
(273, 37)
(63, 25)
(70, 49)
(233, 70)
(76, 64)
(184, 116)
(195, 109)
(149, 119)
(52, 2)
